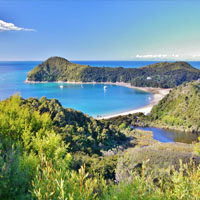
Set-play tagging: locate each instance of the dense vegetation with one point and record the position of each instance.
(36, 137)
(80, 132)
(164, 74)
(49, 152)
(180, 109)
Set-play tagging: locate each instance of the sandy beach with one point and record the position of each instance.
(158, 94)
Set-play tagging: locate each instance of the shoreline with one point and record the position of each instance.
(158, 94)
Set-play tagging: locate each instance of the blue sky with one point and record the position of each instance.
(100, 29)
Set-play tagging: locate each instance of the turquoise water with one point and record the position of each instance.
(90, 99)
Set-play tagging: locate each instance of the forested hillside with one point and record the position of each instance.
(49, 152)
(180, 109)
(81, 132)
(164, 74)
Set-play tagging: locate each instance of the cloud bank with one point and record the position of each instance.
(196, 56)
(157, 56)
(185, 56)
(151, 56)
(5, 26)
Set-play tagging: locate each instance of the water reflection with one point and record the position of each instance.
(165, 135)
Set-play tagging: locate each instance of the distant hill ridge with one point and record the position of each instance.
(163, 74)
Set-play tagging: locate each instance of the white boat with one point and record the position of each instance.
(61, 86)
(149, 78)
(105, 87)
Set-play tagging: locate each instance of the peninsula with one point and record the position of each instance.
(159, 75)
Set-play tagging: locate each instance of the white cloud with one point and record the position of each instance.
(5, 26)
(175, 55)
(151, 56)
(169, 56)
(196, 56)
(157, 56)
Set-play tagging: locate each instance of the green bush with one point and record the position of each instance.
(54, 181)
(182, 184)
(14, 181)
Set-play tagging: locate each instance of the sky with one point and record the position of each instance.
(100, 29)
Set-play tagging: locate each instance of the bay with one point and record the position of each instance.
(88, 98)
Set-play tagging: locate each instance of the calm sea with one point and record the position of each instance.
(90, 99)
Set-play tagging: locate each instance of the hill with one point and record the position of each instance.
(164, 74)
(49, 152)
(180, 109)
(81, 132)
(56, 69)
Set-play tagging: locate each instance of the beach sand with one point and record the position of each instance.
(158, 94)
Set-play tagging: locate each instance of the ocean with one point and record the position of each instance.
(90, 99)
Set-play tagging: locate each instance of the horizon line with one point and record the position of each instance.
(184, 60)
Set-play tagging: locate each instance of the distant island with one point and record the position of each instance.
(162, 75)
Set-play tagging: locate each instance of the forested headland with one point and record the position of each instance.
(163, 75)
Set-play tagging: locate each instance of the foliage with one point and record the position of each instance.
(36, 126)
(164, 74)
(140, 187)
(182, 184)
(56, 182)
(104, 165)
(32, 119)
(56, 68)
(24, 132)
(180, 109)
(14, 181)
(159, 156)
(136, 119)
(36, 137)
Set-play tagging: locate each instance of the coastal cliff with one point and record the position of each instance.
(163, 75)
